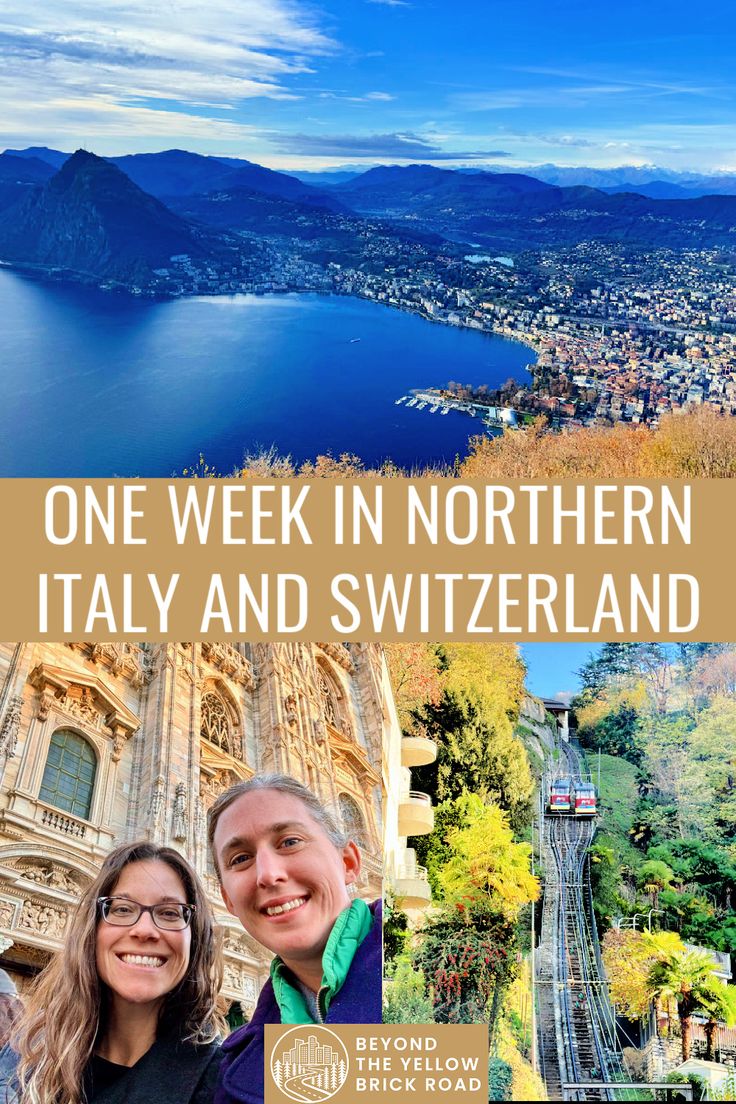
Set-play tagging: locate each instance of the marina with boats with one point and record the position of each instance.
(440, 402)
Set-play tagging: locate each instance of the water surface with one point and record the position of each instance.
(97, 384)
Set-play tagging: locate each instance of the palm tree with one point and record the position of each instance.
(655, 876)
(661, 945)
(688, 978)
(718, 1002)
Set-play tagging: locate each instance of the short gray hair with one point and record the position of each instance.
(282, 783)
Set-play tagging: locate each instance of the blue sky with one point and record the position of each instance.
(333, 82)
(552, 668)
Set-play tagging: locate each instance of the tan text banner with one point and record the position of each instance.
(366, 560)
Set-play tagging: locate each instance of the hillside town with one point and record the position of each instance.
(617, 337)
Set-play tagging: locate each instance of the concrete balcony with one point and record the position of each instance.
(412, 887)
(41, 822)
(417, 751)
(416, 815)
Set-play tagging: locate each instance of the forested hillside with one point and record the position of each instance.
(664, 721)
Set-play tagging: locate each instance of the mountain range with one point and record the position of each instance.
(179, 173)
(643, 179)
(122, 217)
(91, 219)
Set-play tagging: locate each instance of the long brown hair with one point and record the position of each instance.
(65, 1010)
(11, 1009)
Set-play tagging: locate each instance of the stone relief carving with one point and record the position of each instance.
(261, 653)
(47, 874)
(11, 727)
(211, 788)
(235, 977)
(45, 700)
(79, 702)
(133, 661)
(7, 912)
(328, 700)
(299, 657)
(340, 654)
(242, 945)
(118, 743)
(42, 919)
(229, 660)
(200, 819)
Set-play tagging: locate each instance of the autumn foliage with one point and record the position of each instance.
(701, 444)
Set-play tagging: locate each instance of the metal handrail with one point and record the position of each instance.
(418, 872)
(416, 797)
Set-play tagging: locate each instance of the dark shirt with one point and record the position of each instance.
(358, 1001)
(99, 1074)
(171, 1072)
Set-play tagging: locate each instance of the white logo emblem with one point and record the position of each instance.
(309, 1063)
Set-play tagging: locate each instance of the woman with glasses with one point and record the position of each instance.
(125, 1013)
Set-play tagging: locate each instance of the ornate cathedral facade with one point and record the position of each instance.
(102, 744)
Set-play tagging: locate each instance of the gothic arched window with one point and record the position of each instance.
(215, 725)
(69, 774)
(352, 818)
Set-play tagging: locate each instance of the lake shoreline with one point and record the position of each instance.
(100, 385)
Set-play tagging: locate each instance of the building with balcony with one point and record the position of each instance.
(106, 743)
(407, 812)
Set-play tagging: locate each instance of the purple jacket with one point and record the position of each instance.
(358, 1001)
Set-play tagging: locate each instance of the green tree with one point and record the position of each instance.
(718, 1002)
(406, 999)
(665, 761)
(417, 678)
(614, 733)
(477, 753)
(619, 665)
(629, 957)
(485, 861)
(500, 1079)
(687, 978)
(654, 876)
(395, 932)
(468, 955)
(710, 775)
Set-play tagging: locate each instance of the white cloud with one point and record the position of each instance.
(125, 58)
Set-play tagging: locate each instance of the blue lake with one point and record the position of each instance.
(95, 384)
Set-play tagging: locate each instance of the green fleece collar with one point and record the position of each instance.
(348, 932)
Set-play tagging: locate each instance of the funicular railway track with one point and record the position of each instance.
(577, 1031)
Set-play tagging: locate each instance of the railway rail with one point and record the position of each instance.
(576, 1022)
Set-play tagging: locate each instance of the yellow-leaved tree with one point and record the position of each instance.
(486, 863)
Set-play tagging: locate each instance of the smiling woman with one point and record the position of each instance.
(287, 871)
(125, 1014)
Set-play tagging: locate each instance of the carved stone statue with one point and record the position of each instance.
(11, 727)
(179, 824)
(156, 809)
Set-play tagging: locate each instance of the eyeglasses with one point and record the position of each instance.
(121, 912)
